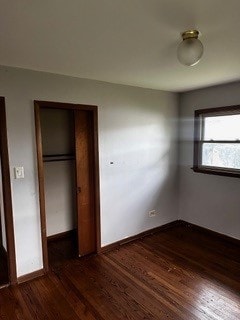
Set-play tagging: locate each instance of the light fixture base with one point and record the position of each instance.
(190, 34)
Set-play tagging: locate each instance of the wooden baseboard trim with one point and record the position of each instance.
(62, 235)
(116, 244)
(31, 276)
(212, 233)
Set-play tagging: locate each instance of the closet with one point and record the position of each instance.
(68, 180)
(57, 127)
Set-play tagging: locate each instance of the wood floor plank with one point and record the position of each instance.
(176, 274)
(213, 265)
(74, 298)
(163, 288)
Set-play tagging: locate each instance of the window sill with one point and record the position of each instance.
(217, 171)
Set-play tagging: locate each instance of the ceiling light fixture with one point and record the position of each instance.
(190, 50)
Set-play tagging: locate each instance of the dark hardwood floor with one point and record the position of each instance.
(3, 268)
(62, 250)
(179, 273)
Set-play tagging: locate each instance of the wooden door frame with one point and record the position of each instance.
(7, 194)
(93, 110)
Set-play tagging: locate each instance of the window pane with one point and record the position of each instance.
(222, 127)
(224, 155)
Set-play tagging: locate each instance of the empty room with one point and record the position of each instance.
(119, 160)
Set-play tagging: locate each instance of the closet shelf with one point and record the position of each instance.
(58, 157)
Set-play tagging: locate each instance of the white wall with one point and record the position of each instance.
(137, 132)
(207, 200)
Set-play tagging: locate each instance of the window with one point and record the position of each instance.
(217, 141)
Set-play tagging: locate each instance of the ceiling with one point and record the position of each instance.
(129, 42)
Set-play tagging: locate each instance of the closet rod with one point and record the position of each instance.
(58, 157)
(57, 160)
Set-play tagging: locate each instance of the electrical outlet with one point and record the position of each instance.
(152, 213)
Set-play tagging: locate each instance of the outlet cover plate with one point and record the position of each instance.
(18, 172)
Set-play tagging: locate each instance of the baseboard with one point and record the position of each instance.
(62, 235)
(211, 233)
(173, 224)
(116, 244)
(30, 276)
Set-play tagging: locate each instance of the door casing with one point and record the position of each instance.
(7, 195)
(93, 114)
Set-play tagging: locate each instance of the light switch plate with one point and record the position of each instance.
(18, 172)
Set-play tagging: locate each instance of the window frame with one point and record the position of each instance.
(198, 141)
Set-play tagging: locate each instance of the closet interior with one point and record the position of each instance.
(58, 153)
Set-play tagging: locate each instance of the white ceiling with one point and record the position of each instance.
(122, 41)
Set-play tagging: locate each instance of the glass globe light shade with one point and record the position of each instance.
(190, 51)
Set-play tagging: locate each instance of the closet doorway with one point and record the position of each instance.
(68, 172)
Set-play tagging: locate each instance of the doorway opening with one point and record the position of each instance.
(7, 248)
(68, 171)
